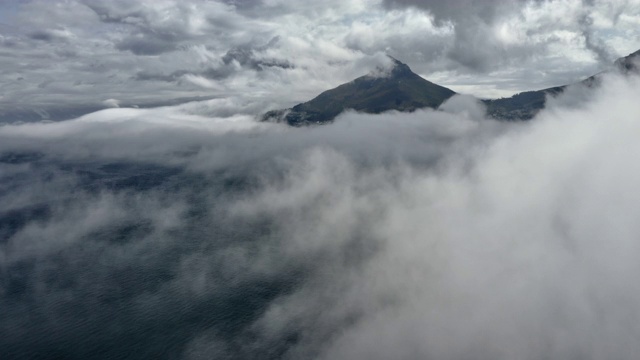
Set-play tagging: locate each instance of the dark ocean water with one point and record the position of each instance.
(116, 285)
(130, 240)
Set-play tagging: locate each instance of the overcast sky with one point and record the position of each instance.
(275, 53)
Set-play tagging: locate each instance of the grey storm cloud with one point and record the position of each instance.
(150, 76)
(244, 4)
(476, 46)
(603, 53)
(42, 35)
(147, 45)
(246, 56)
(460, 9)
(148, 37)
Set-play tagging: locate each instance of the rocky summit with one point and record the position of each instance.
(396, 88)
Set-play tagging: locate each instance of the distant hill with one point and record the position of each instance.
(398, 88)
(522, 106)
(525, 105)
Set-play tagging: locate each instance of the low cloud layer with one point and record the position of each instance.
(193, 232)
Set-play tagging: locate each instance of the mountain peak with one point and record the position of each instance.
(395, 69)
(401, 69)
(395, 87)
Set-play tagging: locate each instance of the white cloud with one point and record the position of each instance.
(527, 253)
(111, 103)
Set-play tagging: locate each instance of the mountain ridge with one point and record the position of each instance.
(525, 105)
(404, 90)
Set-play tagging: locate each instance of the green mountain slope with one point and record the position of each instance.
(400, 89)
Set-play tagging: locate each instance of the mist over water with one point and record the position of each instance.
(191, 233)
